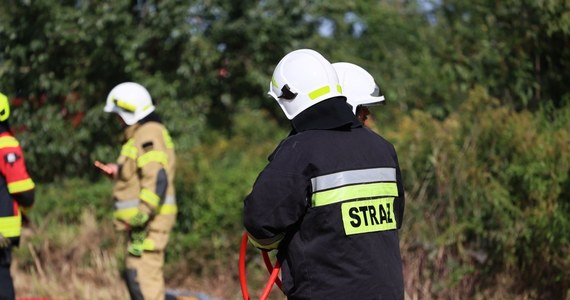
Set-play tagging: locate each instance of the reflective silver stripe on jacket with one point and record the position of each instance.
(125, 204)
(344, 178)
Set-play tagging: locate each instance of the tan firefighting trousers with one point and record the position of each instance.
(148, 268)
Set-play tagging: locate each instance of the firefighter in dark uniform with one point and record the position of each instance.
(16, 197)
(359, 88)
(331, 198)
(143, 190)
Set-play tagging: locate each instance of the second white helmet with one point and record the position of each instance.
(302, 79)
(357, 85)
(131, 101)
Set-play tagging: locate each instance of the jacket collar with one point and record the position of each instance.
(330, 114)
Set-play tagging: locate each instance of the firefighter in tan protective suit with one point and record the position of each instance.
(143, 190)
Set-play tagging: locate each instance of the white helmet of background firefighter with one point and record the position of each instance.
(131, 101)
(4, 108)
(302, 79)
(357, 85)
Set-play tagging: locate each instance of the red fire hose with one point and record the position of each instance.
(273, 270)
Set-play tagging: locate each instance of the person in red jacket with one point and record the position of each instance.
(16, 197)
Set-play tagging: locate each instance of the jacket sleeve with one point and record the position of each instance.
(278, 199)
(20, 185)
(151, 165)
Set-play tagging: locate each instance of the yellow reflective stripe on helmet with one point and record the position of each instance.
(21, 186)
(125, 105)
(129, 150)
(274, 82)
(152, 156)
(167, 139)
(8, 141)
(11, 226)
(358, 191)
(147, 107)
(149, 197)
(339, 88)
(319, 92)
(125, 210)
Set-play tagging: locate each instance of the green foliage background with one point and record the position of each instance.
(478, 110)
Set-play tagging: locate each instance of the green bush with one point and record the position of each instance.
(488, 196)
(212, 181)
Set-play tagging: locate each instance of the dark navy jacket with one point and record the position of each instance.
(334, 190)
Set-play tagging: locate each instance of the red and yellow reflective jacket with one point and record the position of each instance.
(16, 187)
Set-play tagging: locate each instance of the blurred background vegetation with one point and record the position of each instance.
(478, 108)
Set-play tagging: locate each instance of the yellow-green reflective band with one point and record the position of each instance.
(125, 214)
(274, 82)
(167, 139)
(149, 197)
(11, 226)
(125, 210)
(8, 141)
(148, 245)
(365, 216)
(168, 209)
(21, 186)
(126, 106)
(147, 107)
(129, 150)
(152, 156)
(358, 191)
(319, 92)
(267, 244)
(339, 88)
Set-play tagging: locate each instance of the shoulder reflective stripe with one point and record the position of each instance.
(152, 156)
(338, 179)
(358, 191)
(8, 141)
(21, 186)
(167, 139)
(365, 216)
(149, 197)
(125, 210)
(129, 149)
(319, 92)
(11, 226)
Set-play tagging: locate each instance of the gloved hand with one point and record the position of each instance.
(138, 220)
(4, 242)
(137, 241)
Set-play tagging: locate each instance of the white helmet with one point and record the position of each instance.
(131, 101)
(302, 79)
(357, 85)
